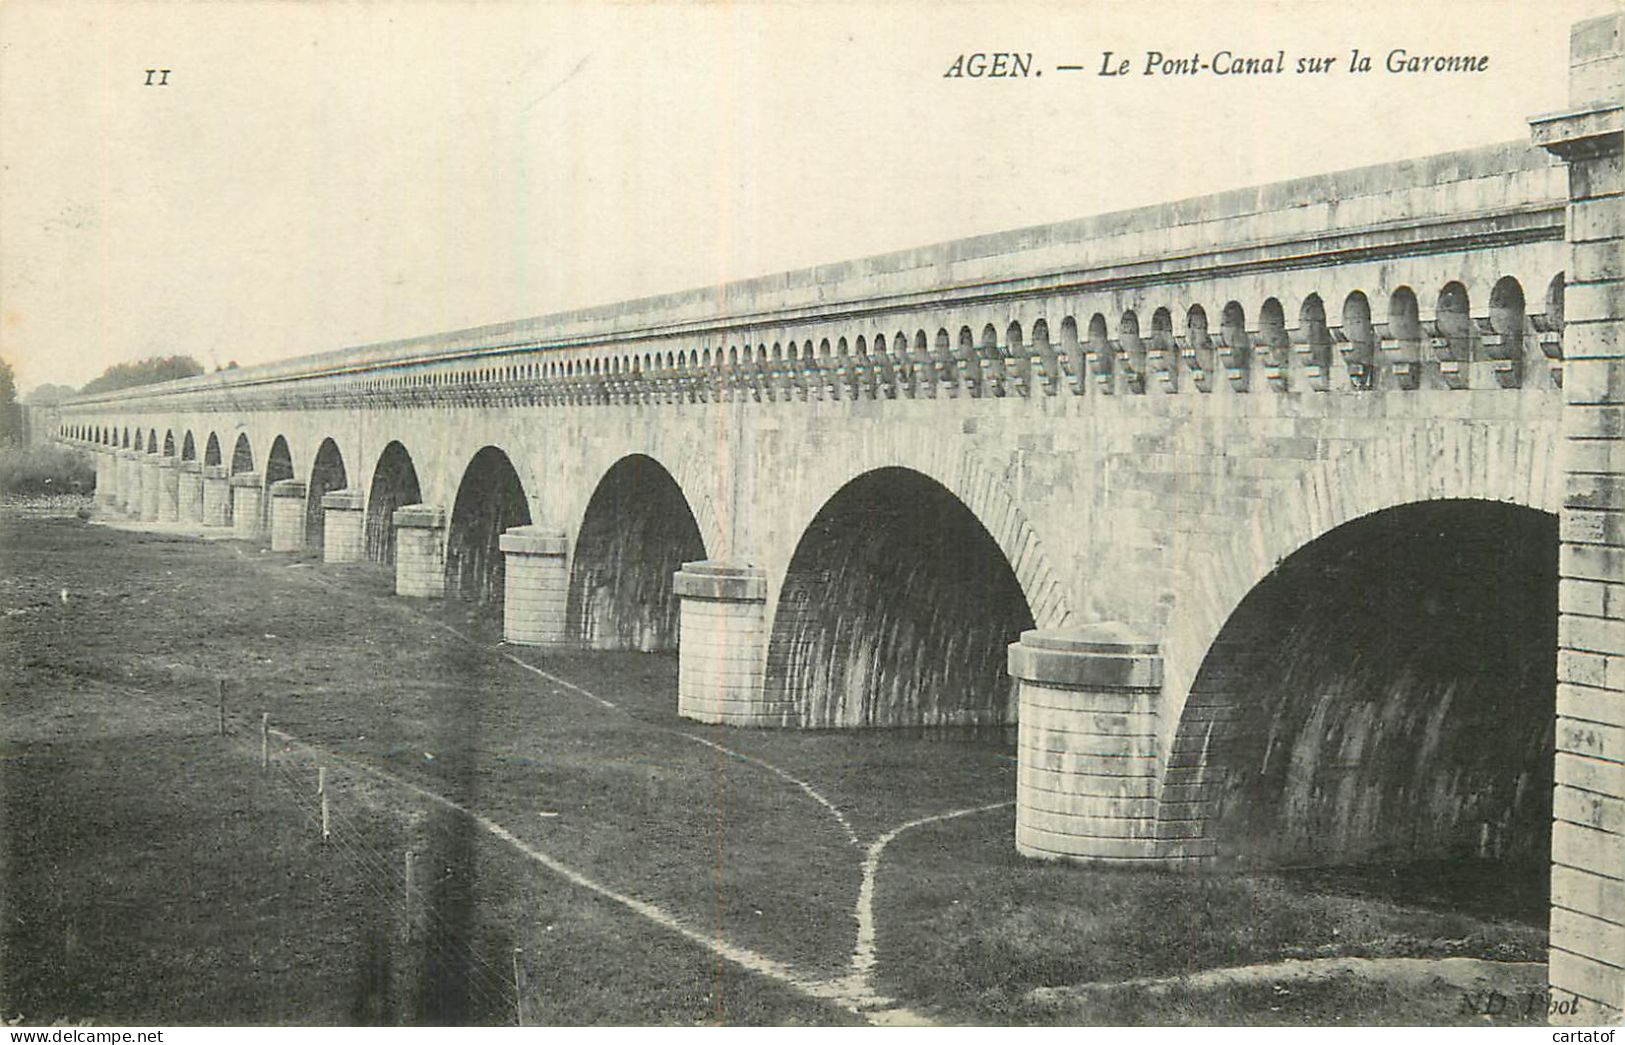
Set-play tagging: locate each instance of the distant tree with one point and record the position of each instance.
(229, 366)
(145, 372)
(11, 415)
(49, 394)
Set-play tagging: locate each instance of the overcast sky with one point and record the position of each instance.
(316, 175)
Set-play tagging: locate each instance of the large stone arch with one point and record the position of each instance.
(1385, 694)
(1514, 464)
(392, 482)
(490, 499)
(327, 473)
(895, 609)
(979, 485)
(637, 528)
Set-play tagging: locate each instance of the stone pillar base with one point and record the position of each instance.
(107, 478)
(535, 586)
(216, 496)
(1087, 774)
(189, 497)
(168, 489)
(287, 515)
(343, 526)
(420, 563)
(245, 504)
(129, 483)
(149, 488)
(721, 647)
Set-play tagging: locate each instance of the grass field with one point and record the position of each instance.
(581, 855)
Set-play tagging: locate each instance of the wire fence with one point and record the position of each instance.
(441, 972)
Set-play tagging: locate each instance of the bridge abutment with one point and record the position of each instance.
(722, 646)
(343, 526)
(1588, 831)
(246, 501)
(420, 562)
(216, 495)
(287, 515)
(535, 587)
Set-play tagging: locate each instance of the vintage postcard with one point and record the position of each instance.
(812, 514)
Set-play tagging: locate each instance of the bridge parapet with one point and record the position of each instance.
(1305, 286)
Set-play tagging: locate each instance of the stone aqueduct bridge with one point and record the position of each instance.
(1298, 499)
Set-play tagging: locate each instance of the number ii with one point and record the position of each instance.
(162, 78)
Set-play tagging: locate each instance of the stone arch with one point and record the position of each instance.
(975, 483)
(169, 443)
(490, 499)
(211, 450)
(1516, 465)
(188, 447)
(152, 440)
(327, 474)
(896, 609)
(1385, 694)
(637, 530)
(278, 462)
(394, 483)
(242, 455)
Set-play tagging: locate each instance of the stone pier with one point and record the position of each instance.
(287, 515)
(535, 584)
(129, 482)
(246, 513)
(149, 487)
(722, 645)
(189, 495)
(1087, 744)
(344, 520)
(420, 563)
(216, 495)
(168, 490)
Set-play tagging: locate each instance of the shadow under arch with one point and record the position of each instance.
(1385, 695)
(326, 475)
(242, 455)
(896, 610)
(490, 499)
(636, 533)
(394, 483)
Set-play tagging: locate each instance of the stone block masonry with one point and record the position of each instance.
(287, 515)
(216, 495)
(536, 585)
(420, 562)
(168, 490)
(1087, 744)
(246, 504)
(721, 656)
(1588, 835)
(344, 522)
(189, 492)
